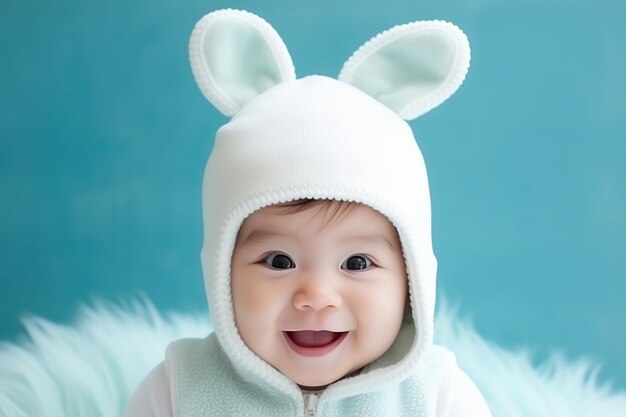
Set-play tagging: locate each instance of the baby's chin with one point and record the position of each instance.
(316, 388)
(318, 384)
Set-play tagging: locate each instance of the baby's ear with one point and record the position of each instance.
(235, 56)
(411, 68)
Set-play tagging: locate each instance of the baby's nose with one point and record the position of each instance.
(317, 293)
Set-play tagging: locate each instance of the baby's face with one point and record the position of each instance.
(318, 299)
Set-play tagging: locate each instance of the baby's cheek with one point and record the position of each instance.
(254, 299)
(255, 318)
(254, 307)
(381, 309)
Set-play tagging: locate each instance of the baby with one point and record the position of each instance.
(317, 258)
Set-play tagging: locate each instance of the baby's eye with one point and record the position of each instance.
(277, 260)
(357, 263)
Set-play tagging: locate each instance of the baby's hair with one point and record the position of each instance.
(332, 210)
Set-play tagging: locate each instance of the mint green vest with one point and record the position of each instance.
(206, 384)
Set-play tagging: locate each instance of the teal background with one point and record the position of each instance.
(104, 137)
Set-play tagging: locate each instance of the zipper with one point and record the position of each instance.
(310, 404)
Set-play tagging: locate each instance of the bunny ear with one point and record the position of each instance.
(411, 68)
(235, 56)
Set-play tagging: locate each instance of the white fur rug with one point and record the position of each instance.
(91, 367)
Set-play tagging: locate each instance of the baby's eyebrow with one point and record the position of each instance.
(379, 238)
(258, 235)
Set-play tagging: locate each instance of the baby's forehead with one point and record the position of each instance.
(318, 218)
(327, 212)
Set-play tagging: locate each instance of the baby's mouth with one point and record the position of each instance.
(311, 338)
(314, 343)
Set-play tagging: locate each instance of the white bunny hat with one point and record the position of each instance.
(320, 138)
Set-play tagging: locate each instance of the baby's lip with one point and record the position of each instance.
(312, 342)
(312, 338)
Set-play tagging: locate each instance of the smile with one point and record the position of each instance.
(314, 343)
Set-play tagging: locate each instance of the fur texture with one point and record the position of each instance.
(515, 387)
(91, 367)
